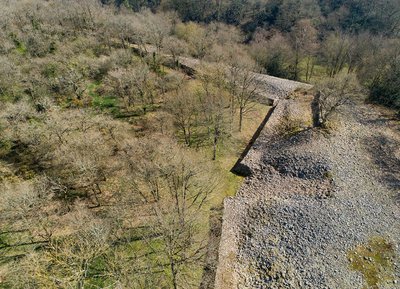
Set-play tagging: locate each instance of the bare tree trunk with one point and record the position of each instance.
(296, 66)
(232, 112)
(185, 136)
(316, 110)
(309, 68)
(219, 10)
(215, 144)
(174, 273)
(240, 118)
(312, 70)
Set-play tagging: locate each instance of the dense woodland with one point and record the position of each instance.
(112, 158)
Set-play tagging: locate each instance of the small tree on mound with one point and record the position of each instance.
(331, 93)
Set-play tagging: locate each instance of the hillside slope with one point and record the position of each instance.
(318, 210)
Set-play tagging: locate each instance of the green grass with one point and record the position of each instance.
(5, 146)
(375, 261)
(20, 48)
(229, 152)
(319, 71)
(98, 101)
(105, 102)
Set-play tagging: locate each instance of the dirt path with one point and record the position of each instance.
(319, 210)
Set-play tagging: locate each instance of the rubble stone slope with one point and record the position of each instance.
(310, 199)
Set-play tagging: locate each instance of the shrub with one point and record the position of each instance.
(386, 89)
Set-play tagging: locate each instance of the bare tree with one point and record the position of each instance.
(73, 150)
(199, 38)
(72, 82)
(272, 52)
(333, 93)
(9, 76)
(304, 37)
(175, 47)
(335, 50)
(124, 28)
(214, 102)
(241, 81)
(133, 85)
(185, 108)
(177, 191)
(71, 256)
(155, 28)
(23, 221)
(119, 83)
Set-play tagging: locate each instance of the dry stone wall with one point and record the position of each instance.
(234, 207)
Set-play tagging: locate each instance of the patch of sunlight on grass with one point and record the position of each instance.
(319, 71)
(230, 151)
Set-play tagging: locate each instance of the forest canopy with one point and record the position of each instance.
(325, 33)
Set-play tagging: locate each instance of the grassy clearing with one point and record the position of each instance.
(230, 150)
